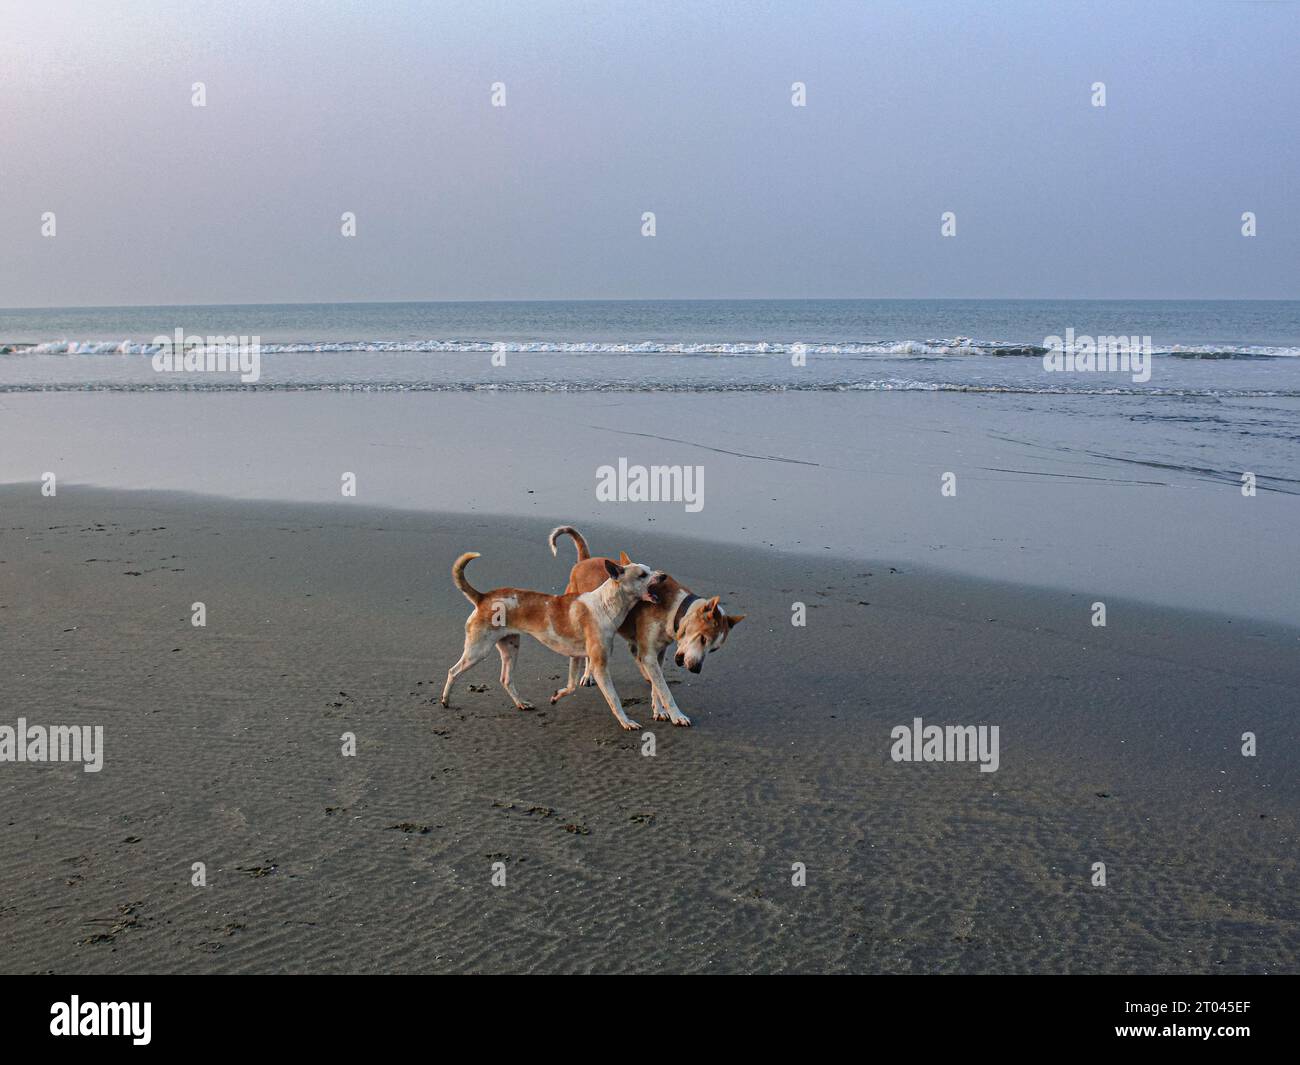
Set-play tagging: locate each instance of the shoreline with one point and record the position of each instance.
(349, 513)
(1042, 499)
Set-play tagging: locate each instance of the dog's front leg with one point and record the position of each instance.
(572, 686)
(649, 663)
(598, 661)
(657, 709)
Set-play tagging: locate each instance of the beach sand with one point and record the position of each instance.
(222, 745)
(1106, 501)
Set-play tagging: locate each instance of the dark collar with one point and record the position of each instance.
(684, 606)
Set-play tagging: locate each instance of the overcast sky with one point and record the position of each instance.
(384, 109)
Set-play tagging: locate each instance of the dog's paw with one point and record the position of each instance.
(660, 717)
(587, 682)
(445, 704)
(682, 720)
(560, 693)
(525, 706)
(629, 725)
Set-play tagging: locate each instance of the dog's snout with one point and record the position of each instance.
(697, 667)
(679, 658)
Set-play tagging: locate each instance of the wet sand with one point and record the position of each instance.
(222, 745)
(1104, 500)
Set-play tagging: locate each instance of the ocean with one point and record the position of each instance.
(1201, 349)
(825, 426)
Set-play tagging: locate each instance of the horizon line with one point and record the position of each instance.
(671, 299)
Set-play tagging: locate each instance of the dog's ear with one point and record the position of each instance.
(613, 568)
(623, 560)
(712, 606)
(734, 619)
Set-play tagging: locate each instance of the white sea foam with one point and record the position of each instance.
(894, 348)
(890, 384)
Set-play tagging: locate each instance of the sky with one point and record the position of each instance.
(616, 109)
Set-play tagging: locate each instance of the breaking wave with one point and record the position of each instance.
(955, 346)
(890, 384)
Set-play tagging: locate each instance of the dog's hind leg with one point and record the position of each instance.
(477, 644)
(508, 649)
(572, 686)
(588, 680)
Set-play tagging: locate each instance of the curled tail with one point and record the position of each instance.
(578, 541)
(458, 577)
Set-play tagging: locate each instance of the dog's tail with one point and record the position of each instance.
(458, 577)
(578, 541)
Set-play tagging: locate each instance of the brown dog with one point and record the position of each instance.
(579, 624)
(698, 626)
